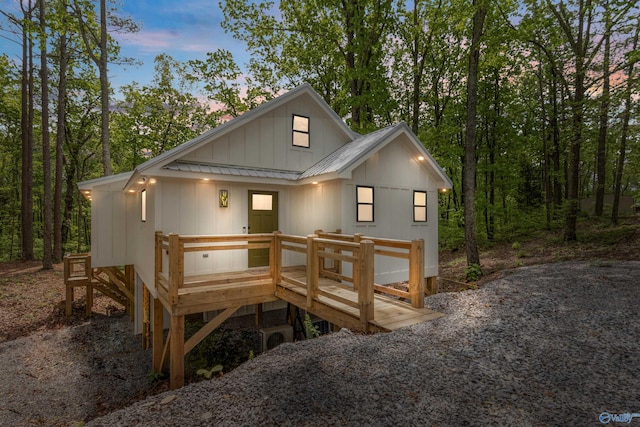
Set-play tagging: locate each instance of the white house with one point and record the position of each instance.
(292, 165)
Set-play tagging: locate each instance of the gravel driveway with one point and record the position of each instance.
(556, 344)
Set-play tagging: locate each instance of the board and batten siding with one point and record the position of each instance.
(109, 226)
(266, 142)
(394, 173)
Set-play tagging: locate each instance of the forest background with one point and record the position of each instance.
(529, 106)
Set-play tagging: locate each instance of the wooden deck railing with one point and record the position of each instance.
(177, 245)
(412, 251)
(324, 254)
(317, 250)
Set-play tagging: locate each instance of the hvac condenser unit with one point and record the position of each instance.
(272, 337)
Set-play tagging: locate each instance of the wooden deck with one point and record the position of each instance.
(346, 297)
(337, 303)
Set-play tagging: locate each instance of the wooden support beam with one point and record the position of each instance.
(432, 285)
(176, 267)
(207, 329)
(129, 274)
(416, 273)
(176, 352)
(312, 271)
(146, 318)
(158, 334)
(365, 283)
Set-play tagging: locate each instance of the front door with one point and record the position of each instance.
(263, 218)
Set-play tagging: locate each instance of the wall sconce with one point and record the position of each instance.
(224, 198)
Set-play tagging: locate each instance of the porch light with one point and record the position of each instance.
(223, 198)
(421, 158)
(443, 190)
(315, 182)
(152, 181)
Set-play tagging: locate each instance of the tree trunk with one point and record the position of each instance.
(469, 176)
(626, 116)
(60, 135)
(104, 91)
(47, 258)
(27, 138)
(604, 119)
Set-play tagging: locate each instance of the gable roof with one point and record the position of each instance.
(353, 154)
(339, 163)
(197, 142)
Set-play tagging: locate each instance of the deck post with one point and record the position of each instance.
(157, 334)
(416, 273)
(176, 354)
(365, 285)
(158, 260)
(357, 238)
(129, 274)
(312, 270)
(275, 258)
(146, 318)
(88, 273)
(432, 285)
(176, 267)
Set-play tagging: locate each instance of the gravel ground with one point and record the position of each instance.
(62, 377)
(554, 344)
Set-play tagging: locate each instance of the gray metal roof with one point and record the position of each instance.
(350, 152)
(232, 170)
(337, 161)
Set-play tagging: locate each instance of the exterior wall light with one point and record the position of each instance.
(223, 198)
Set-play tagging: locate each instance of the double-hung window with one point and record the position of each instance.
(364, 202)
(419, 206)
(300, 131)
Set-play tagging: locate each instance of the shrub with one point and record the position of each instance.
(473, 272)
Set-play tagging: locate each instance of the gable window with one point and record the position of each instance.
(300, 131)
(364, 201)
(419, 206)
(143, 205)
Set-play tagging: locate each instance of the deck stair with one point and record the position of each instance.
(114, 282)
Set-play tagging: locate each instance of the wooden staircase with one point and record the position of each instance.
(114, 282)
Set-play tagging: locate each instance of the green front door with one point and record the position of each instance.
(263, 218)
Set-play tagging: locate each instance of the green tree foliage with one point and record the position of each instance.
(153, 119)
(545, 128)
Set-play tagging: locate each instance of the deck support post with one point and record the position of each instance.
(432, 285)
(176, 267)
(158, 334)
(275, 258)
(129, 274)
(365, 283)
(416, 273)
(312, 271)
(176, 353)
(146, 318)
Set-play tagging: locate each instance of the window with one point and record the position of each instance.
(364, 201)
(420, 206)
(262, 202)
(300, 131)
(143, 205)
